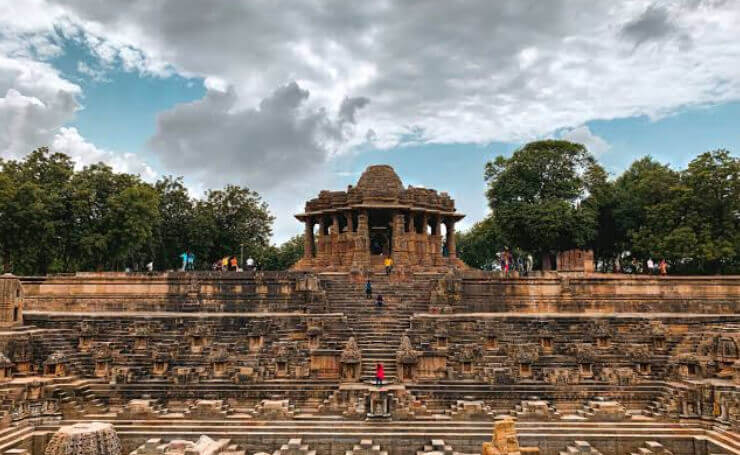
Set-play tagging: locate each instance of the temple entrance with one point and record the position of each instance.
(380, 241)
(380, 232)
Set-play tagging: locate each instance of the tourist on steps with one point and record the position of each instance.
(388, 265)
(379, 374)
(379, 301)
(368, 290)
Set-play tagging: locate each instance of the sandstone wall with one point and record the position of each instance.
(478, 292)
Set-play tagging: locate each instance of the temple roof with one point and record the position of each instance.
(380, 187)
(380, 178)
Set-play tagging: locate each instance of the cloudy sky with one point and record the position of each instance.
(292, 99)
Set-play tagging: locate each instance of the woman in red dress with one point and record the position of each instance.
(379, 374)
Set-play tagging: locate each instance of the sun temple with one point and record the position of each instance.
(378, 218)
(563, 362)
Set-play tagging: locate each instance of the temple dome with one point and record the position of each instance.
(380, 178)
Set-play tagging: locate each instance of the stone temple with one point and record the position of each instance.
(360, 227)
(559, 362)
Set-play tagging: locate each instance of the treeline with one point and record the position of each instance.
(56, 219)
(551, 196)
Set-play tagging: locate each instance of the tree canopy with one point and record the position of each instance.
(553, 196)
(536, 196)
(56, 219)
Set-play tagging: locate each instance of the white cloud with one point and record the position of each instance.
(83, 153)
(34, 101)
(583, 135)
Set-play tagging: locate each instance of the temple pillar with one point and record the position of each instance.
(451, 238)
(412, 240)
(361, 256)
(308, 239)
(437, 240)
(426, 242)
(334, 257)
(321, 253)
(400, 240)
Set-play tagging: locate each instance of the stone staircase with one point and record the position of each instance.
(652, 448)
(378, 331)
(662, 406)
(366, 447)
(580, 448)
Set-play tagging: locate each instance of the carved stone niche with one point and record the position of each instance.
(585, 356)
(350, 361)
(601, 333)
(200, 338)
(33, 391)
(658, 335)
(689, 367)
(87, 336)
(407, 360)
(103, 358)
(141, 333)
(313, 334)
(546, 343)
(441, 337)
(492, 341)
(161, 358)
(524, 355)
(56, 365)
(219, 360)
(21, 353)
(282, 362)
(6, 368)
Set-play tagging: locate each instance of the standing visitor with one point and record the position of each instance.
(149, 266)
(388, 265)
(379, 301)
(663, 267)
(233, 263)
(530, 263)
(184, 256)
(368, 290)
(190, 261)
(650, 266)
(379, 374)
(250, 263)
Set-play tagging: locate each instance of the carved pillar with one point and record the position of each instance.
(437, 240)
(321, 253)
(361, 256)
(426, 241)
(400, 241)
(451, 238)
(308, 239)
(334, 258)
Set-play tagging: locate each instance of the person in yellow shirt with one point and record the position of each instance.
(388, 265)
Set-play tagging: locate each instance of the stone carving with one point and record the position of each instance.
(524, 353)
(406, 353)
(562, 376)
(94, 438)
(505, 440)
(620, 376)
(535, 408)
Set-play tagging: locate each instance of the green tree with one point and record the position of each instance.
(281, 257)
(478, 246)
(175, 230)
(536, 196)
(229, 219)
(713, 183)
